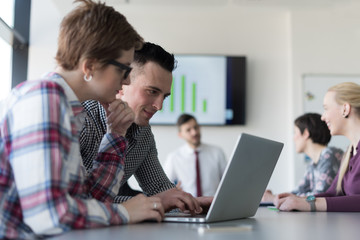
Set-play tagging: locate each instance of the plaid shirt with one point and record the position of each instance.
(44, 187)
(141, 155)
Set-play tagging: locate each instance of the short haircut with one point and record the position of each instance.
(184, 118)
(151, 52)
(318, 130)
(94, 31)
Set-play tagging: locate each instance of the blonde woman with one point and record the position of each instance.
(342, 116)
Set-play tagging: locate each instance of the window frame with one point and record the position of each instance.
(18, 38)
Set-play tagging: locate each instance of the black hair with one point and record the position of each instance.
(155, 53)
(318, 130)
(184, 118)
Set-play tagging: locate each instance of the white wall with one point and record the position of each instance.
(280, 46)
(262, 36)
(324, 41)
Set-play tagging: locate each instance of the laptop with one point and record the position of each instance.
(243, 182)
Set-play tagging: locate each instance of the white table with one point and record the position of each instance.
(266, 224)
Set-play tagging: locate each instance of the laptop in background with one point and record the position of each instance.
(243, 183)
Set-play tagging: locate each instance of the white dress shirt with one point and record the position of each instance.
(180, 166)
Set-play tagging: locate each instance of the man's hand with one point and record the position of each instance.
(205, 202)
(175, 198)
(119, 117)
(142, 208)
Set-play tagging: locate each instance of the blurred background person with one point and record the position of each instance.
(195, 167)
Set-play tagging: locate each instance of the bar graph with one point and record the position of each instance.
(198, 88)
(194, 97)
(183, 97)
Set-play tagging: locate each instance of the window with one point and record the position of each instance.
(5, 68)
(7, 15)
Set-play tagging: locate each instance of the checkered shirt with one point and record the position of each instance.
(141, 156)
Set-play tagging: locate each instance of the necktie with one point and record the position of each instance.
(198, 177)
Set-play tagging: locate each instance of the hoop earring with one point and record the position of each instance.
(88, 79)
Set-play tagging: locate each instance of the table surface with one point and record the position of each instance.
(266, 224)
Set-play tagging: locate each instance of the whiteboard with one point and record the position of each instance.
(315, 87)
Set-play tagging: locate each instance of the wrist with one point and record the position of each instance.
(116, 132)
(125, 213)
(311, 199)
(321, 204)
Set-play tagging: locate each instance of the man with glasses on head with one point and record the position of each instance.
(150, 84)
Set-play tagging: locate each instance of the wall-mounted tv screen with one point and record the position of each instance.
(210, 87)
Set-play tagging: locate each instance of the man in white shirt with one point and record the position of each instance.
(196, 173)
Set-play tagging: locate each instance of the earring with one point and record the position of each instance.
(345, 116)
(88, 79)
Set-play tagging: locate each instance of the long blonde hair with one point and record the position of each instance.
(347, 92)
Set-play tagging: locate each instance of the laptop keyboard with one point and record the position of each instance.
(178, 213)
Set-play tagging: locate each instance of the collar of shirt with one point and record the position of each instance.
(189, 150)
(352, 150)
(77, 108)
(74, 101)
